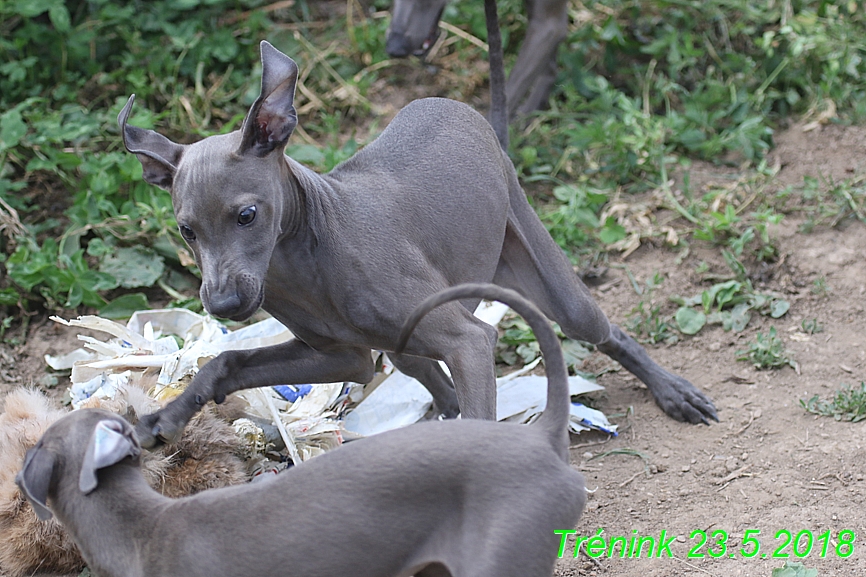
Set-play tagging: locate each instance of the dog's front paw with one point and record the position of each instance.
(158, 429)
(683, 401)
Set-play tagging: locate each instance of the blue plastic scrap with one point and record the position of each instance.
(592, 418)
(293, 392)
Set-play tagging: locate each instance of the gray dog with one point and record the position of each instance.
(342, 258)
(460, 498)
(415, 27)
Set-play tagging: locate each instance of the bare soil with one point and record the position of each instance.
(768, 464)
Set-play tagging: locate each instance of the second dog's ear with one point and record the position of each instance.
(158, 155)
(110, 443)
(272, 117)
(34, 479)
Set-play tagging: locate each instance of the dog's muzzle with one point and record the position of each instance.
(238, 304)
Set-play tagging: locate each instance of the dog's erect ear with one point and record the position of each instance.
(158, 155)
(34, 479)
(110, 443)
(272, 117)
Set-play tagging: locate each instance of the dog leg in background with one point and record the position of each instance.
(414, 28)
(498, 99)
(534, 72)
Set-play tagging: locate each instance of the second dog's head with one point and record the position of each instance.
(71, 453)
(231, 193)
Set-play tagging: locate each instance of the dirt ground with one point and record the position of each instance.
(768, 465)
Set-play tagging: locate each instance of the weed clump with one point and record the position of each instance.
(767, 352)
(847, 404)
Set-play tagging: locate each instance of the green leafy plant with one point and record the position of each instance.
(713, 103)
(54, 56)
(819, 287)
(574, 223)
(767, 352)
(794, 569)
(729, 304)
(133, 267)
(811, 326)
(517, 344)
(63, 279)
(720, 216)
(646, 319)
(847, 404)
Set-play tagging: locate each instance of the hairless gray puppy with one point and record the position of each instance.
(461, 498)
(342, 258)
(415, 27)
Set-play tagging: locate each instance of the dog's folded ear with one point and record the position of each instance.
(158, 155)
(110, 443)
(34, 479)
(272, 117)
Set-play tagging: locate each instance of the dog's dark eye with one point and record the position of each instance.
(187, 233)
(247, 215)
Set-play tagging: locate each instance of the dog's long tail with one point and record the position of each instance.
(555, 417)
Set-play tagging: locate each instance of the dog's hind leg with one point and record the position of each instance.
(533, 264)
(674, 394)
(434, 379)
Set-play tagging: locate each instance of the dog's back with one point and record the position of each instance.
(481, 498)
(429, 131)
(435, 173)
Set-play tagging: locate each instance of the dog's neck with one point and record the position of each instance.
(296, 208)
(310, 200)
(100, 522)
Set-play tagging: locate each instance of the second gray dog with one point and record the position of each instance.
(341, 259)
(459, 498)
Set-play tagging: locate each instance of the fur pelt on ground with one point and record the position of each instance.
(207, 456)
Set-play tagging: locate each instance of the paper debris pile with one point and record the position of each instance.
(161, 350)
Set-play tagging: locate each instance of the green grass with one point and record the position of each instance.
(823, 202)
(847, 404)
(646, 319)
(644, 87)
(767, 352)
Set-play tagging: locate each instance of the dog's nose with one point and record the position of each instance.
(223, 305)
(397, 45)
